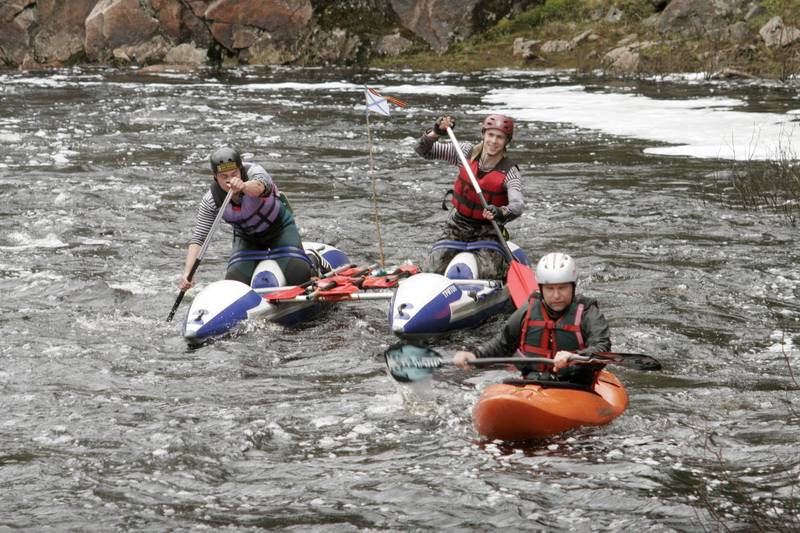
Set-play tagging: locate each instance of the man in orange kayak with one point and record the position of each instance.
(555, 323)
(500, 181)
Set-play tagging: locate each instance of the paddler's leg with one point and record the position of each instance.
(455, 230)
(491, 263)
(243, 270)
(439, 259)
(295, 269)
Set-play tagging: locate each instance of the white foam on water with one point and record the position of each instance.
(134, 287)
(439, 90)
(702, 127)
(784, 342)
(298, 86)
(22, 241)
(9, 137)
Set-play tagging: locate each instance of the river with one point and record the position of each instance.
(109, 422)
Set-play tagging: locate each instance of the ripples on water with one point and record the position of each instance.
(110, 422)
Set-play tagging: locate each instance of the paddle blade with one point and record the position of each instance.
(408, 363)
(286, 294)
(521, 282)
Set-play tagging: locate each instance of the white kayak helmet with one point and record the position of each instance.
(556, 268)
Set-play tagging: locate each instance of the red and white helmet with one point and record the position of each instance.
(499, 122)
(556, 268)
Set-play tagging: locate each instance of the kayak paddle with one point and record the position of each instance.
(201, 254)
(520, 279)
(408, 362)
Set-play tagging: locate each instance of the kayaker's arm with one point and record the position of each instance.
(506, 342)
(594, 327)
(256, 172)
(428, 147)
(516, 198)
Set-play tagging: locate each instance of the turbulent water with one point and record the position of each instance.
(108, 421)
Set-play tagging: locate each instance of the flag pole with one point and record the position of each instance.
(374, 192)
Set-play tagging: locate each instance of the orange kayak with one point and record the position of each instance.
(522, 412)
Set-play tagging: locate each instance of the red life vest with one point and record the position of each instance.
(466, 200)
(543, 337)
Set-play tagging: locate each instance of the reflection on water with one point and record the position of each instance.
(111, 422)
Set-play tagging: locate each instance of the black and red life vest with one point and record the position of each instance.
(466, 200)
(543, 337)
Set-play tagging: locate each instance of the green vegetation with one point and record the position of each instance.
(773, 185)
(714, 53)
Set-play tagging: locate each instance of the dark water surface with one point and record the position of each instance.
(109, 422)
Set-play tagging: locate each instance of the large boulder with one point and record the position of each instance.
(170, 18)
(60, 36)
(282, 18)
(776, 34)
(116, 24)
(152, 51)
(690, 18)
(438, 22)
(16, 17)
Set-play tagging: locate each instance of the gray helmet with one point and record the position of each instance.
(556, 268)
(226, 158)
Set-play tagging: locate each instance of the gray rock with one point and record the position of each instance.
(622, 60)
(152, 51)
(524, 48)
(588, 35)
(557, 46)
(614, 14)
(337, 46)
(776, 34)
(186, 54)
(392, 45)
(438, 22)
(282, 18)
(266, 52)
(16, 18)
(117, 24)
(690, 18)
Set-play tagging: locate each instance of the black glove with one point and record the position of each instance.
(438, 130)
(496, 211)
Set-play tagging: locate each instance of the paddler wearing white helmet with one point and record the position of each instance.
(555, 323)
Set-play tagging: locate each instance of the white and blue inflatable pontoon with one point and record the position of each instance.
(223, 305)
(433, 304)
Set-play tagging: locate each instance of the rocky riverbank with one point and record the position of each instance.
(719, 37)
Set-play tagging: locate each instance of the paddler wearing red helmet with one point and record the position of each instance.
(500, 180)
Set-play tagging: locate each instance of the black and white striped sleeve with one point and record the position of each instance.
(206, 215)
(516, 198)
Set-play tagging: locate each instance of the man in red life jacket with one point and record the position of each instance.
(500, 181)
(554, 323)
(263, 223)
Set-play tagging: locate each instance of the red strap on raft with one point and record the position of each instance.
(336, 294)
(390, 280)
(347, 281)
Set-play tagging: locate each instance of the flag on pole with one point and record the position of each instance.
(380, 103)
